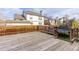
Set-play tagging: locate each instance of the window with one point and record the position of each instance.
(40, 23)
(30, 17)
(21, 19)
(40, 18)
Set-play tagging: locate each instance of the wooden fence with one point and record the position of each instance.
(8, 30)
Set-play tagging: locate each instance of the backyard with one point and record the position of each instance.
(35, 41)
(33, 38)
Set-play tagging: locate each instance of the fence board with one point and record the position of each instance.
(8, 30)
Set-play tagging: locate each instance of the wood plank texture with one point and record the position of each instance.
(35, 41)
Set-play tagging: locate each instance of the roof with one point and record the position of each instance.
(34, 13)
(38, 14)
(18, 16)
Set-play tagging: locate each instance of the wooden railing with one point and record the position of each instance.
(20, 29)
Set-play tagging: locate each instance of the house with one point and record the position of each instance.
(19, 17)
(54, 21)
(35, 18)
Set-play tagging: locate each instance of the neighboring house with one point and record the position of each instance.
(55, 21)
(18, 17)
(52, 22)
(35, 18)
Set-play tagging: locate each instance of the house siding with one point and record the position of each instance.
(35, 19)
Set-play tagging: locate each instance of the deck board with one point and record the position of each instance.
(35, 41)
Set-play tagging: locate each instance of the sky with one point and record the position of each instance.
(8, 13)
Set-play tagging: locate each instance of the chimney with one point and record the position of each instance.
(41, 12)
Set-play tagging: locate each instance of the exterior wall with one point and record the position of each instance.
(35, 23)
(61, 21)
(42, 21)
(35, 19)
(52, 22)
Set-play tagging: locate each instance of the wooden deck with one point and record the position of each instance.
(35, 41)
